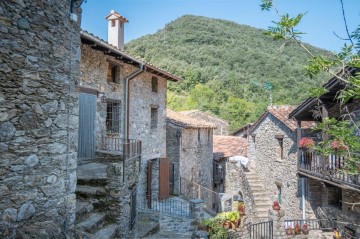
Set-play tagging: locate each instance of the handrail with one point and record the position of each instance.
(170, 206)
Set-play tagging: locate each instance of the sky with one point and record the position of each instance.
(322, 19)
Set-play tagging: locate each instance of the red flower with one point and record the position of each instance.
(337, 145)
(306, 142)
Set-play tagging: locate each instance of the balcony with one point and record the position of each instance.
(328, 169)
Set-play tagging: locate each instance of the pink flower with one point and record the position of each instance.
(337, 145)
(306, 142)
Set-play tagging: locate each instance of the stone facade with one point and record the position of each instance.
(39, 69)
(190, 151)
(279, 175)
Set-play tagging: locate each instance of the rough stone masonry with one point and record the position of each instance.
(39, 65)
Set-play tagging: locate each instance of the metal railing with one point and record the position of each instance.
(312, 224)
(261, 230)
(129, 150)
(174, 206)
(331, 166)
(192, 190)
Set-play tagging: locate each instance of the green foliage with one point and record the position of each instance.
(318, 64)
(226, 58)
(285, 28)
(266, 5)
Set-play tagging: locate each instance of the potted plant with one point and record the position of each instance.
(241, 208)
(338, 145)
(234, 218)
(276, 206)
(305, 229)
(289, 230)
(306, 143)
(297, 229)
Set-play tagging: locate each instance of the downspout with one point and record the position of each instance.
(127, 99)
(303, 197)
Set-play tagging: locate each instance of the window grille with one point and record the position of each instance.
(113, 116)
(154, 118)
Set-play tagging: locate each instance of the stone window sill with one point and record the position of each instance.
(279, 160)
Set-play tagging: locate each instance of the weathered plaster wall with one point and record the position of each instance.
(39, 68)
(264, 154)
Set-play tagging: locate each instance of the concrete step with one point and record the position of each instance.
(263, 204)
(91, 223)
(92, 174)
(261, 194)
(107, 232)
(83, 208)
(90, 191)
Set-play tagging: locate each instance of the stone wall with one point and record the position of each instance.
(94, 67)
(221, 125)
(39, 68)
(264, 155)
(173, 136)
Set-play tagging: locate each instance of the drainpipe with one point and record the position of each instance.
(127, 99)
(303, 197)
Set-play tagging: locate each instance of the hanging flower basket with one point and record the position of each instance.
(306, 143)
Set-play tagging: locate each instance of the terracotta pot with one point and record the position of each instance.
(305, 231)
(227, 225)
(289, 231)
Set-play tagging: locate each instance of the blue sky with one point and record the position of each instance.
(147, 16)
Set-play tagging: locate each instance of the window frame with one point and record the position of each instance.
(154, 84)
(154, 117)
(112, 123)
(113, 73)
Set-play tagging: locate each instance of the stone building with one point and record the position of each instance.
(329, 190)
(225, 175)
(39, 68)
(242, 131)
(122, 126)
(60, 117)
(221, 125)
(272, 153)
(189, 145)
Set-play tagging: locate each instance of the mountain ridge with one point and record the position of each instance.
(228, 68)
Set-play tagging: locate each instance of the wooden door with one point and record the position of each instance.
(87, 111)
(164, 178)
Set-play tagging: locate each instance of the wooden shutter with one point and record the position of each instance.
(164, 178)
(149, 181)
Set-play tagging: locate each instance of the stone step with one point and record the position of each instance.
(83, 208)
(92, 174)
(257, 185)
(146, 228)
(262, 203)
(107, 232)
(254, 180)
(91, 223)
(90, 191)
(261, 194)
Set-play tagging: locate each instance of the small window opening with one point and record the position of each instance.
(281, 145)
(154, 84)
(154, 118)
(279, 194)
(113, 23)
(199, 138)
(113, 116)
(113, 73)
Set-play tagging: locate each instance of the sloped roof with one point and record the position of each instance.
(185, 121)
(282, 114)
(100, 44)
(115, 15)
(194, 112)
(228, 146)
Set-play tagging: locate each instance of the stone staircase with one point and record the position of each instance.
(261, 199)
(91, 219)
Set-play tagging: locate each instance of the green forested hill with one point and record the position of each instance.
(226, 67)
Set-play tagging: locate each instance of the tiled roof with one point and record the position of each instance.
(282, 114)
(116, 15)
(185, 121)
(149, 67)
(228, 146)
(194, 112)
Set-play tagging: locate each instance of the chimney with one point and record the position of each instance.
(116, 29)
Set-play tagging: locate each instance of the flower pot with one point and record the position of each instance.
(227, 225)
(305, 231)
(289, 231)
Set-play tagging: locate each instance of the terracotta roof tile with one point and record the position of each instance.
(185, 121)
(228, 146)
(194, 112)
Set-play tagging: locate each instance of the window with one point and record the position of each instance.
(113, 73)
(280, 139)
(154, 84)
(154, 118)
(279, 194)
(113, 116)
(112, 23)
